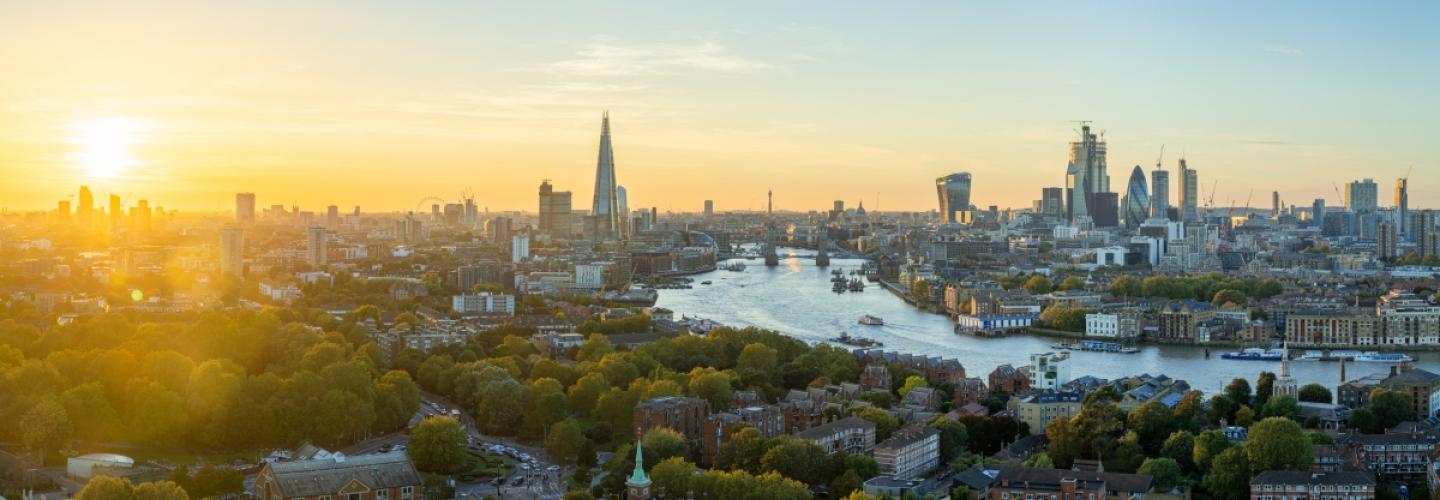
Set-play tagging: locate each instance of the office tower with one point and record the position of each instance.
(1402, 206)
(1275, 204)
(140, 217)
(85, 211)
(1052, 202)
(116, 212)
(520, 247)
(245, 209)
(709, 208)
(315, 249)
(62, 213)
(1360, 196)
(435, 212)
(605, 211)
(624, 201)
(332, 217)
(1159, 194)
(1105, 210)
(1137, 199)
(554, 211)
(499, 229)
(232, 251)
(1189, 193)
(409, 229)
(1085, 174)
(954, 192)
(1386, 240)
(1427, 239)
(838, 207)
(1317, 212)
(471, 213)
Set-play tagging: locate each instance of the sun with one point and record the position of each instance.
(103, 146)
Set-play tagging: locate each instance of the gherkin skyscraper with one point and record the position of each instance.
(1136, 207)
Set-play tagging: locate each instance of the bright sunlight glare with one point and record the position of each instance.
(103, 146)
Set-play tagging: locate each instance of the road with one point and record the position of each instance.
(538, 482)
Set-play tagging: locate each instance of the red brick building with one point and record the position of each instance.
(383, 476)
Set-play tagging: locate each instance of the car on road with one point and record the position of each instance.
(519, 480)
(384, 448)
(553, 468)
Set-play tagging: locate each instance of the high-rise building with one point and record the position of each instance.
(316, 251)
(1386, 240)
(1085, 174)
(1360, 196)
(954, 192)
(1159, 194)
(140, 217)
(1275, 204)
(332, 217)
(709, 208)
(520, 247)
(1402, 206)
(232, 251)
(1317, 212)
(555, 211)
(1105, 211)
(85, 211)
(245, 209)
(1427, 239)
(1189, 193)
(117, 211)
(1052, 202)
(838, 207)
(605, 211)
(499, 230)
(62, 213)
(1137, 199)
(624, 201)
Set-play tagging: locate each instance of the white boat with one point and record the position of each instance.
(1345, 355)
(1388, 357)
(1311, 356)
(871, 320)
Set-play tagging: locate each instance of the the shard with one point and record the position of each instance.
(605, 212)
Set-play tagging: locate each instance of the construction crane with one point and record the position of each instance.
(1210, 200)
(1338, 195)
(1159, 161)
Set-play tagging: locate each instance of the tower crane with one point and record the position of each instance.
(1210, 200)
(1159, 161)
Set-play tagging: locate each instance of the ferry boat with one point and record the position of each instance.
(846, 339)
(1388, 357)
(734, 265)
(1096, 346)
(1312, 356)
(869, 320)
(1255, 354)
(857, 286)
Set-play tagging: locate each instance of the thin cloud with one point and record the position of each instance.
(1284, 50)
(613, 59)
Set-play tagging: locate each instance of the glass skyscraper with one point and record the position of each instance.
(606, 209)
(1137, 199)
(954, 193)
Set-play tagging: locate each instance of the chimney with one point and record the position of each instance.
(1067, 485)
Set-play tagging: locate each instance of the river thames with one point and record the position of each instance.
(795, 299)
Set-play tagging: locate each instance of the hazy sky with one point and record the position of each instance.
(381, 104)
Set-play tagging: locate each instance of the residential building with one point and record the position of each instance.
(316, 251)
(555, 212)
(483, 303)
(1305, 485)
(232, 251)
(910, 452)
(1408, 319)
(520, 247)
(853, 435)
(1014, 482)
(1049, 371)
(1122, 325)
(245, 209)
(1006, 378)
(380, 476)
(1039, 409)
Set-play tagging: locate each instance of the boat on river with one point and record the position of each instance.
(1255, 354)
(1386, 357)
(869, 320)
(1095, 346)
(846, 339)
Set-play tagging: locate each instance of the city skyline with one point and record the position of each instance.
(725, 104)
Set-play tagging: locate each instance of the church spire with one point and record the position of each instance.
(638, 485)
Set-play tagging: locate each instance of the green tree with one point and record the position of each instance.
(1278, 443)
(1229, 475)
(1366, 421)
(565, 440)
(885, 423)
(1315, 393)
(160, 490)
(1180, 447)
(953, 436)
(1244, 417)
(1072, 283)
(670, 478)
(1038, 285)
(1153, 422)
(1281, 406)
(662, 443)
(912, 382)
(846, 483)
(799, 459)
(437, 445)
(586, 391)
(1190, 410)
(107, 488)
(712, 386)
(1166, 472)
(1208, 445)
(1239, 391)
(44, 426)
(1040, 461)
(1390, 407)
(1229, 296)
(743, 451)
(1264, 388)
(1125, 286)
(1222, 408)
